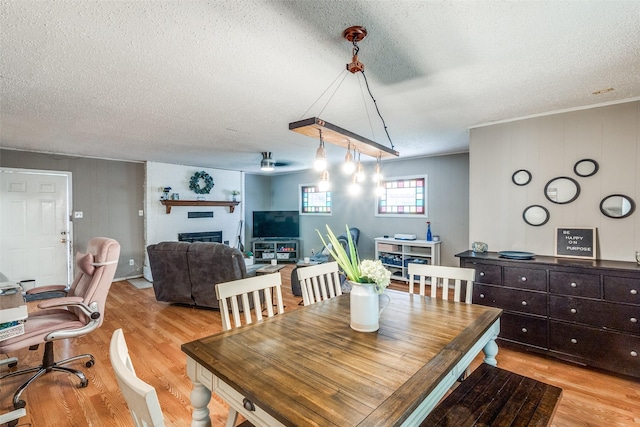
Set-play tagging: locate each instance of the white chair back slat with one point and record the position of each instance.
(249, 290)
(319, 282)
(446, 277)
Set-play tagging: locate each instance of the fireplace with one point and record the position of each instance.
(204, 236)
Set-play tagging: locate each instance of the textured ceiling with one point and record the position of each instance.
(214, 83)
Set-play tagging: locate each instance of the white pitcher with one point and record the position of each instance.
(365, 310)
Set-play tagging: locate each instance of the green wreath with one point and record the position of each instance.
(201, 183)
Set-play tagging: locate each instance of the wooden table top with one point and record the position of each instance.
(308, 367)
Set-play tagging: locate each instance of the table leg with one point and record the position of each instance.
(200, 397)
(491, 348)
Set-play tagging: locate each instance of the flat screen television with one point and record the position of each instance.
(276, 224)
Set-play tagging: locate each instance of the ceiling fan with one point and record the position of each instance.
(268, 164)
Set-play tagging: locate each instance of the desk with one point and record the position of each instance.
(308, 367)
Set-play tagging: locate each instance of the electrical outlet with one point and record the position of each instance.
(140, 212)
(132, 262)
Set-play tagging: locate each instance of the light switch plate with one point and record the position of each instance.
(77, 214)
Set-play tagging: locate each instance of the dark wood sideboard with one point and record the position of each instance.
(586, 312)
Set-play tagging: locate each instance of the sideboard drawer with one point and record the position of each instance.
(486, 273)
(595, 313)
(605, 349)
(584, 285)
(524, 329)
(511, 299)
(526, 278)
(622, 289)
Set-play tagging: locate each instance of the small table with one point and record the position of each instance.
(268, 269)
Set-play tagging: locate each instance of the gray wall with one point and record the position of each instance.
(109, 193)
(548, 147)
(448, 195)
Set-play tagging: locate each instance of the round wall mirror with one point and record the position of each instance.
(586, 167)
(562, 190)
(535, 215)
(617, 206)
(521, 177)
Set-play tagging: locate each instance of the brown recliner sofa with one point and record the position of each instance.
(186, 273)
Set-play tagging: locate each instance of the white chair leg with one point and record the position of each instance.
(233, 417)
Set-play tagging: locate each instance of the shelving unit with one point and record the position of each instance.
(397, 254)
(286, 250)
(170, 203)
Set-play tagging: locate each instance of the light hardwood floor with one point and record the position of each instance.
(155, 331)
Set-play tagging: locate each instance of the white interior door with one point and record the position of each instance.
(35, 240)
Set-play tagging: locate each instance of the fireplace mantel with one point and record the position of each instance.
(170, 203)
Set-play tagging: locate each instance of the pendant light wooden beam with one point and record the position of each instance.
(338, 136)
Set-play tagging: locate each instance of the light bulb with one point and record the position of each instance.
(324, 184)
(377, 175)
(348, 167)
(320, 163)
(360, 173)
(354, 187)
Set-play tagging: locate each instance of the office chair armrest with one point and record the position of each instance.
(49, 288)
(59, 302)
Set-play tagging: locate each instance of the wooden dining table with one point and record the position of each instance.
(307, 367)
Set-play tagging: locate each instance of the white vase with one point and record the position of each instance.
(365, 307)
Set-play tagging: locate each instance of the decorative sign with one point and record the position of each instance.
(576, 242)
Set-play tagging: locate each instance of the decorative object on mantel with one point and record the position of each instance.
(165, 193)
(368, 280)
(234, 195)
(201, 183)
(170, 203)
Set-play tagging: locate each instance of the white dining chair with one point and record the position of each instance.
(247, 292)
(439, 276)
(319, 282)
(141, 397)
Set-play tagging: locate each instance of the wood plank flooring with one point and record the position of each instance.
(154, 332)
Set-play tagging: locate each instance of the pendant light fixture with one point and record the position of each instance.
(337, 135)
(324, 184)
(359, 170)
(348, 167)
(321, 155)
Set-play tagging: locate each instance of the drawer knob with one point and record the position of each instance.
(524, 330)
(482, 274)
(573, 311)
(481, 295)
(634, 353)
(634, 320)
(524, 303)
(248, 405)
(574, 284)
(524, 279)
(574, 341)
(634, 292)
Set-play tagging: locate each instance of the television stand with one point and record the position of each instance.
(281, 250)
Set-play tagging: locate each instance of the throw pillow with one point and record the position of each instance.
(85, 263)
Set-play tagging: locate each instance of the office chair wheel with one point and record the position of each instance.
(19, 404)
(12, 423)
(90, 363)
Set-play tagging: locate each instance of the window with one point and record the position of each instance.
(403, 197)
(313, 201)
